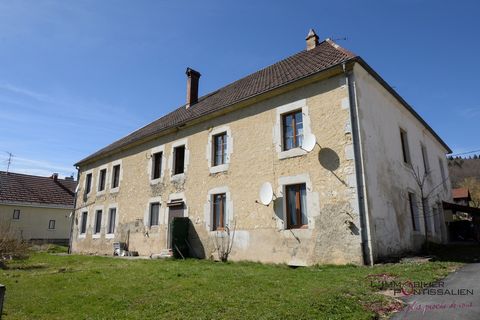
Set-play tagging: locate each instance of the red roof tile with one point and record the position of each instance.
(16, 187)
(461, 193)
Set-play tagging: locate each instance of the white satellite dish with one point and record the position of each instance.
(309, 142)
(266, 193)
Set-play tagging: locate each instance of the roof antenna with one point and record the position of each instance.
(339, 39)
(9, 161)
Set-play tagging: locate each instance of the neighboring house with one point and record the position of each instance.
(37, 208)
(461, 196)
(352, 199)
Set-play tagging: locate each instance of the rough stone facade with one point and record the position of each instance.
(254, 156)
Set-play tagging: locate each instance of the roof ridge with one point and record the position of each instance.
(339, 47)
(31, 175)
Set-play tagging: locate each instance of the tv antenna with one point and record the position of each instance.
(9, 160)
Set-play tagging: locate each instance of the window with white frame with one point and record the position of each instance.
(296, 206)
(112, 219)
(16, 214)
(83, 222)
(154, 214)
(102, 176)
(51, 224)
(115, 176)
(88, 183)
(156, 165)
(98, 222)
(292, 130)
(219, 149)
(178, 160)
(291, 126)
(219, 210)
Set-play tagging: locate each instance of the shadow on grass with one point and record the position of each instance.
(461, 252)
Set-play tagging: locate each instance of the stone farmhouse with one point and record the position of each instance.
(36, 209)
(354, 198)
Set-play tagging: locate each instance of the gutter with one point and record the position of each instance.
(70, 238)
(359, 169)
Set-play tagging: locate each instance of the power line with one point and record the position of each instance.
(468, 152)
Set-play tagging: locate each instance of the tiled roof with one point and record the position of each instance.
(15, 187)
(461, 193)
(293, 68)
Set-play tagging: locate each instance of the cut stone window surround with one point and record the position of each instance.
(100, 169)
(278, 128)
(150, 167)
(210, 152)
(120, 175)
(108, 222)
(181, 176)
(208, 208)
(312, 201)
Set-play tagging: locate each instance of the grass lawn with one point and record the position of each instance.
(52, 286)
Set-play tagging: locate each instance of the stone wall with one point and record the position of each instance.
(333, 233)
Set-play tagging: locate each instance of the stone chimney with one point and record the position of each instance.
(193, 78)
(55, 177)
(312, 39)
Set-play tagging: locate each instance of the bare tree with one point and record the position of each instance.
(223, 242)
(421, 179)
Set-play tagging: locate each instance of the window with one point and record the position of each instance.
(101, 181)
(412, 202)
(154, 213)
(178, 160)
(426, 166)
(436, 219)
(156, 165)
(428, 216)
(405, 150)
(116, 176)
(296, 202)
(220, 149)
(16, 214)
(83, 226)
(219, 211)
(98, 221)
(88, 183)
(112, 216)
(292, 130)
(51, 224)
(442, 172)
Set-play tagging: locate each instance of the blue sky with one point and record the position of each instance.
(77, 75)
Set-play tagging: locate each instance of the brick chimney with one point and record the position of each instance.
(312, 39)
(192, 86)
(54, 177)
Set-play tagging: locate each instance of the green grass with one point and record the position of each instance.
(48, 286)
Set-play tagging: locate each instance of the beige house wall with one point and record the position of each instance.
(34, 221)
(333, 234)
(389, 179)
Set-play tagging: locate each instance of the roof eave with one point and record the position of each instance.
(392, 91)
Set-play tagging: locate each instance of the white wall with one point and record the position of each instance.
(388, 179)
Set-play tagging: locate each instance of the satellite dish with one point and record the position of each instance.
(266, 193)
(309, 142)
